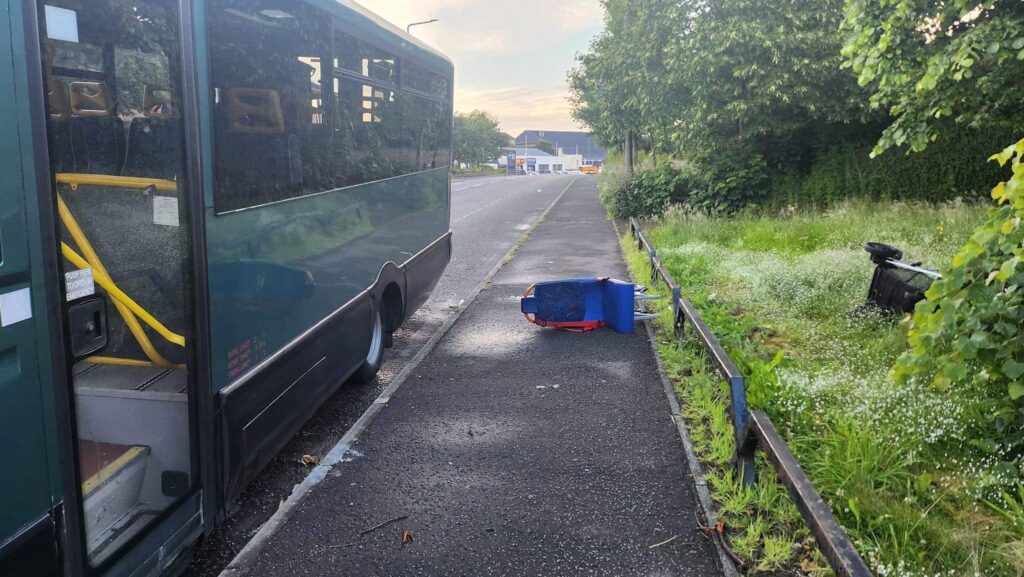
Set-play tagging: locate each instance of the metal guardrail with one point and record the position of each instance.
(755, 430)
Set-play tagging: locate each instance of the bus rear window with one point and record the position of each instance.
(358, 57)
(422, 80)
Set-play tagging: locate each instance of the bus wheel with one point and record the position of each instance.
(375, 357)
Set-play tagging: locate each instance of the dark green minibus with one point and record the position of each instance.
(212, 214)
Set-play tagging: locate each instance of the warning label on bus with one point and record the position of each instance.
(79, 284)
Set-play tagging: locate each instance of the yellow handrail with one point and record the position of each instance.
(96, 264)
(75, 179)
(105, 281)
(112, 468)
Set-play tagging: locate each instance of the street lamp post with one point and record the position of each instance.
(408, 28)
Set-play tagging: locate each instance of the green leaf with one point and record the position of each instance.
(854, 507)
(1016, 390)
(923, 482)
(1014, 370)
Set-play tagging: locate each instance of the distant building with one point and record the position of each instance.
(566, 143)
(540, 162)
(531, 152)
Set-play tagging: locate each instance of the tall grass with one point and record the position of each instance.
(895, 462)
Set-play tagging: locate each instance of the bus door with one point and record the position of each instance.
(25, 484)
(112, 76)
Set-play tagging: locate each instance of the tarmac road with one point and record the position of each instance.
(489, 215)
(511, 450)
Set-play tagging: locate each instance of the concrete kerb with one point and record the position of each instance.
(244, 560)
(707, 504)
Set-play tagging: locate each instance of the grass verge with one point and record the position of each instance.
(899, 465)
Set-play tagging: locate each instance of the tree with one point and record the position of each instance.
(933, 63)
(477, 138)
(936, 64)
(545, 146)
(763, 72)
(740, 88)
(622, 88)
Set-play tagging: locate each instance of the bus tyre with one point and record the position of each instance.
(375, 356)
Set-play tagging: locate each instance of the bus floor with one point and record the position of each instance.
(512, 449)
(132, 432)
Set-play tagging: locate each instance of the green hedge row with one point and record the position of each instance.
(735, 180)
(954, 167)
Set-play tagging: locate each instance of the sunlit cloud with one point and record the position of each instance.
(522, 108)
(511, 58)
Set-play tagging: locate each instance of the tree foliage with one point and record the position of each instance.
(545, 146)
(625, 81)
(740, 83)
(762, 72)
(934, 63)
(477, 138)
(937, 64)
(968, 331)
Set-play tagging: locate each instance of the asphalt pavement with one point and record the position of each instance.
(511, 449)
(489, 216)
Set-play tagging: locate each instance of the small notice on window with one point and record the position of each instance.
(61, 24)
(79, 284)
(165, 210)
(15, 307)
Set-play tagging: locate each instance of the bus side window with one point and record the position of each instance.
(57, 99)
(255, 111)
(89, 99)
(158, 102)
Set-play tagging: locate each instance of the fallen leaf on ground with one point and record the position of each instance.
(406, 537)
(309, 460)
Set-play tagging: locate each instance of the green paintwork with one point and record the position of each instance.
(347, 235)
(338, 239)
(29, 485)
(331, 246)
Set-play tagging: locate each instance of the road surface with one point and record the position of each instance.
(489, 215)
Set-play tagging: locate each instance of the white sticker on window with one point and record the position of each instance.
(61, 24)
(165, 210)
(15, 307)
(79, 284)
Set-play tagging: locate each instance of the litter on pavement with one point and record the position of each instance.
(585, 304)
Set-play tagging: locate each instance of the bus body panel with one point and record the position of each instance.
(29, 488)
(266, 289)
(261, 415)
(293, 286)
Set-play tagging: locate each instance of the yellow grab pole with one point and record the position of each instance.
(130, 363)
(75, 179)
(94, 260)
(105, 281)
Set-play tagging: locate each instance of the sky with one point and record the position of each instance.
(511, 56)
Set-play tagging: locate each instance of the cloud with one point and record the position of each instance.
(522, 108)
(511, 58)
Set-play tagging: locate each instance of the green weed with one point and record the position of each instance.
(783, 295)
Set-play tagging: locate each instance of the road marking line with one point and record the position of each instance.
(246, 558)
(492, 203)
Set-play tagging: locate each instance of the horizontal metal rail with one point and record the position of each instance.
(755, 430)
(833, 541)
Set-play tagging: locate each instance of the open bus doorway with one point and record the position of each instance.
(112, 76)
